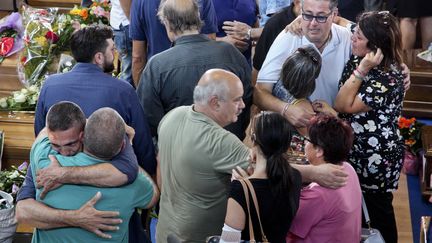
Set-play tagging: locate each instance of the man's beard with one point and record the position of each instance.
(108, 67)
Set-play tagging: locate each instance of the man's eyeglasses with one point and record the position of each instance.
(319, 19)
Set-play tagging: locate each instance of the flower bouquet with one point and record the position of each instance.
(97, 13)
(11, 31)
(46, 35)
(410, 130)
(22, 100)
(11, 180)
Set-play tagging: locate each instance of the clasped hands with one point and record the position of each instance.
(237, 34)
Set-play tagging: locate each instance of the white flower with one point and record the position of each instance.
(391, 145)
(386, 132)
(21, 98)
(357, 127)
(369, 89)
(375, 158)
(24, 91)
(33, 88)
(3, 103)
(373, 141)
(370, 126)
(383, 118)
(14, 175)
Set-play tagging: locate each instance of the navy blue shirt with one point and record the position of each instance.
(91, 89)
(146, 26)
(125, 162)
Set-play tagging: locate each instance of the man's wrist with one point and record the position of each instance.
(68, 218)
(249, 34)
(284, 109)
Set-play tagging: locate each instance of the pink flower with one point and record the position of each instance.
(23, 166)
(15, 188)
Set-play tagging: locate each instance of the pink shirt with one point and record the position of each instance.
(327, 215)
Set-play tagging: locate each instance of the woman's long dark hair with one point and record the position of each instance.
(382, 31)
(272, 133)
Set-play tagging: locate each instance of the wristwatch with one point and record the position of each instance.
(248, 34)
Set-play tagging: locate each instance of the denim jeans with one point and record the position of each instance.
(123, 44)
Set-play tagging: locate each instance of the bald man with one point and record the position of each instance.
(196, 158)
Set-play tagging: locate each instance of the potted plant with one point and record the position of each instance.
(410, 130)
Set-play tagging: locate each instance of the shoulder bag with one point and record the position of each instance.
(369, 235)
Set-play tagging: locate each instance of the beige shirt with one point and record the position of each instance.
(196, 159)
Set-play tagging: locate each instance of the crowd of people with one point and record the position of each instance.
(170, 130)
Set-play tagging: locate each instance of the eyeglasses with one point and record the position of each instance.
(319, 19)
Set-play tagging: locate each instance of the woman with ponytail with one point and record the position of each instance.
(328, 215)
(276, 183)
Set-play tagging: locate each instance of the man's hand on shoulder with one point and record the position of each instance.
(330, 175)
(50, 177)
(295, 27)
(95, 221)
(407, 77)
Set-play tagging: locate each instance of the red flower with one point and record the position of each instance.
(6, 45)
(52, 37)
(23, 59)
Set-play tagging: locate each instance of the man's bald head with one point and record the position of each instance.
(214, 82)
(104, 133)
(218, 95)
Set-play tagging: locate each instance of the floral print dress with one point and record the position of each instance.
(377, 153)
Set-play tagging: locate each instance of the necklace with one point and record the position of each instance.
(321, 48)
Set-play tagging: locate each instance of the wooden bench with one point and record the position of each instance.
(426, 163)
(418, 99)
(19, 137)
(9, 77)
(54, 3)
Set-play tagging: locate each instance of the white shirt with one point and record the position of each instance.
(334, 57)
(117, 16)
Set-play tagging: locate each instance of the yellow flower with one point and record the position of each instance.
(41, 41)
(75, 11)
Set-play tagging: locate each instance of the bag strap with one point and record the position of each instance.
(246, 193)
(366, 213)
(255, 201)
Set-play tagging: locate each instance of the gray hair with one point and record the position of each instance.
(180, 15)
(104, 133)
(65, 115)
(333, 3)
(203, 92)
(300, 70)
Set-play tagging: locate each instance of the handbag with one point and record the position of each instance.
(247, 186)
(369, 235)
